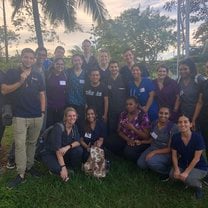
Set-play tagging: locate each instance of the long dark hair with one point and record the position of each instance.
(192, 67)
(87, 127)
(143, 69)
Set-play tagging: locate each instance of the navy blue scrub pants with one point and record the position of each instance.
(133, 153)
(72, 159)
(54, 116)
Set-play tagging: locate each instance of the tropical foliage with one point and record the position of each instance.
(146, 32)
(60, 11)
(12, 38)
(198, 14)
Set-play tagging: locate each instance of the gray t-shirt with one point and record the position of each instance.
(188, 97)
(161, 137)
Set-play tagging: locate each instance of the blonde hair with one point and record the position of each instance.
(103, 50)
(66, 111)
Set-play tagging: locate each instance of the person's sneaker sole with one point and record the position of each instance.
(10, 167)
(164, 180)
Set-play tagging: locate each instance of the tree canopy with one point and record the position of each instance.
(198, 14)
(146, 32)
(12, 37)
(60, 12)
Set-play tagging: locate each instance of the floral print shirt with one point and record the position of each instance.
(141, 121)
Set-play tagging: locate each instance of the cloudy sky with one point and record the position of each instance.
(115, 7)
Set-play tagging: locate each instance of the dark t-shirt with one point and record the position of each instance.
(42, 72)
(161, 136)
(90, 136)
(56, 86)
(186, 152)
(90, 65)
(126, 74)
(188, 97)
(58, 138)
(167, 95)
(104, 75)
(26, 99)
(117, 92)
(95, 97)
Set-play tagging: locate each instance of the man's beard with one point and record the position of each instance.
(26, 67)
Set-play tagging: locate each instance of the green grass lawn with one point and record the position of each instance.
(124, 187)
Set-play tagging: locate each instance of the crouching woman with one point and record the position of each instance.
(62, 147)
(93, 133)
(189, 165)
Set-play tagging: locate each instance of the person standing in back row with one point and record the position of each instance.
(89, 60)
(126, 70)
(143, 88)
(117, 93)
(75, 89)
(56, 86)
(189, 86)
(58, 53)
(103, 60)
(166, 91)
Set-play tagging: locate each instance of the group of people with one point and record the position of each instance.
(159, 124)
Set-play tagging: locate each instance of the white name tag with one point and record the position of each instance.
(88, 135)
(81, 81)
(62, 83)
(109, 87)
(154, 135)
(34, 78)
(181, 92)
(142, 89)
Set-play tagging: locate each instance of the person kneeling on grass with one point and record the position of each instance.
(157, 157)
(189, 165)
(133, 129)
(62, 147)
(93, 133)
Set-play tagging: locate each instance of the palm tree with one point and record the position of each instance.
(61, 11)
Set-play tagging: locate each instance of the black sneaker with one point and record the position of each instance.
(15, 182)
(164, 177)
(10, 165)
(199, 193)
(33, 172)
(205, 180)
